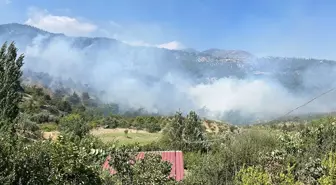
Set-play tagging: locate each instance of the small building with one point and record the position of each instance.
(174, 157)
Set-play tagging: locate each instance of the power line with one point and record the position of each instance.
(316, 97)
(289, 112)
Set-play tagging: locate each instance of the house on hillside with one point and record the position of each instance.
(174, 157)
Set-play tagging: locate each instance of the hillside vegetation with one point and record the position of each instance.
(284, 152)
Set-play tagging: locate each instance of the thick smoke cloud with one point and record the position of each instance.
(133, 77)
(149, 78)
(144, 78)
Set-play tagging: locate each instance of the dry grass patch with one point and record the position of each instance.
(133, 136)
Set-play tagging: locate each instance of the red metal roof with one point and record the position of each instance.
(174, 157)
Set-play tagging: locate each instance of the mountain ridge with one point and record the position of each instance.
(209, 63)
(114, 71)
(32, 31)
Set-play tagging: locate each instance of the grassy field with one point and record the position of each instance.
(118, 135)
(139, 136)
(133, 136)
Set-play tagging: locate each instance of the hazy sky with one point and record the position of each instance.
(304, 28)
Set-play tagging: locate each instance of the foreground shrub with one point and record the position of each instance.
(329, 164)
(48, 127)
(251, 176)
(47, 162)
(44, 117)
(74, 124)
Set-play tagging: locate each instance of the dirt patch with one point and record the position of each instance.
(210, 127)
(216, 129)
(206, 125)
(50, 135)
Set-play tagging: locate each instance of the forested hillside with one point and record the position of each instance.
(284, 152)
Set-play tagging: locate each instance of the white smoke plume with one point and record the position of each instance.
(122, 72)
(146, 77)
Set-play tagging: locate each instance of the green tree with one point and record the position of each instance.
(152, 170)
(85, 96)
(29, 106)
(79, 109)
(194, 133)
(172, 135)
(10, 95)
(59, 94)
(185, 134)
(126, 132)
(74, 99)
(129, 170)
(75, 125)
(64, 106)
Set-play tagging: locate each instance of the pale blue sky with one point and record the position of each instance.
(264, 27)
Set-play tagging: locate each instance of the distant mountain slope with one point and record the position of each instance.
(25, 35)
(239, 55)
(124, 72)
(212, 63)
